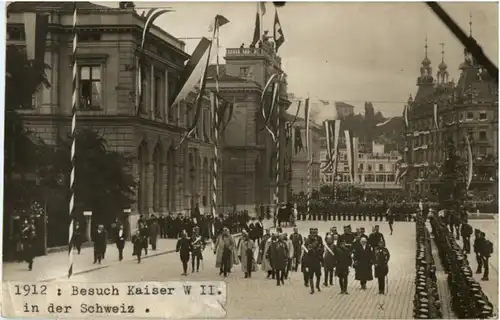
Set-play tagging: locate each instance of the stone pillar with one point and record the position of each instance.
(149, 187)
(164, 186)
(152, 99)
(166, 97)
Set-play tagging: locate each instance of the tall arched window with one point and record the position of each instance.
(171, 179)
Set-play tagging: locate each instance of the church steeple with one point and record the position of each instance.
(468, 58)
(425, 69)
(442, 74)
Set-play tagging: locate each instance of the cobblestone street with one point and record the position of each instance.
(261, 298)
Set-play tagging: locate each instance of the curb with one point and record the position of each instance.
(99, 267)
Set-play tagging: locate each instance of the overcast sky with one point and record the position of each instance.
(351, 52)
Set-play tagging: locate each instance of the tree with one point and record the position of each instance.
(103, 183)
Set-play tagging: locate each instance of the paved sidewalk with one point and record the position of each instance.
(55, 265)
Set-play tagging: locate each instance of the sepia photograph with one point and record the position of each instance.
(251, 160)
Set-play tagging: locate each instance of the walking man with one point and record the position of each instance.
(120, 241)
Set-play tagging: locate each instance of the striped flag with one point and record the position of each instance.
(336, 136)
(307, 115)
(327, 135)
(279, 36)
(355, 151)
(35, 29)
(350, 152)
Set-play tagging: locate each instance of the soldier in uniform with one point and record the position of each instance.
(375, 237)
(297, 242)
(466, 232)
(477, 250)
(382, 257)
(279, 258)
(343, 262)
(197, 247)
(329, 259)
(390, 219)
(312, 264)
(347, 236)
(184, 247)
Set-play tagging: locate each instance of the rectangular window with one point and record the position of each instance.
(244, 72)
(16, 35)
(381, 168)
(90, 87)
(390, 178)
(470, 115)
(361, 166)
(369, 168)
(380, 178)
(483, 116)
(369, 178)
(483, 136)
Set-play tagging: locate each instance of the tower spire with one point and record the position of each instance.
(425, 46)
(470, 24)
(442, 52)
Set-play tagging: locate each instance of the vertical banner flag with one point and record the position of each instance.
(350, 153)
(35, 29)
(268, 116)
(279, 37)
(326, 124)
(259, 17)
(307, 114)
(405, 114)
(470, 162)
(336, 145)
(355, 146)
(73, 141)
(436, 115)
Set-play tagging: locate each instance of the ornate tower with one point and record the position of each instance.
(442, 74)
(425, 70)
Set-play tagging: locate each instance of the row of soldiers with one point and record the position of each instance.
(280, 254)
(357, 211)
(468, 300)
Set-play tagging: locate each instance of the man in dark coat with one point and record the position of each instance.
(478, 240)
(144, 234)
(99, 244)
(343, 261)
(77, 237)
(381, 261)
(184, 248)
(163, 226)
(390, 219)
(29, 241)
(279, 258)
(363, 260)
(297, 242)
(312, 264)
(120, 241)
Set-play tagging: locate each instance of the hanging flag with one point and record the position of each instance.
(436, 116)
(405, 114)
(307, 114)
(350, 153)
(355, 151)
(328, 145)
(299, 146)
(140, 60)
(335, 150)
(35, 29)
(296, 113)
(279, 37)
(274, 99)
(469, 162)
(257, 33)
(262, 8)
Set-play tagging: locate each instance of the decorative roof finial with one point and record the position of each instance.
(470, 24)
(442, 52)
(425, 46)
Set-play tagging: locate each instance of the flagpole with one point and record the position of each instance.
(215, 106)
(261, 22)
(73, 142)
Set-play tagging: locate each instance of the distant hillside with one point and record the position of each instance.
(365, 127)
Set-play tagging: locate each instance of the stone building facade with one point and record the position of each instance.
(248, 154)
(466, 108)
(170, 179)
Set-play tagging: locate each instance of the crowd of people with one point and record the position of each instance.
(279, 254)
